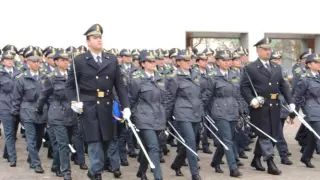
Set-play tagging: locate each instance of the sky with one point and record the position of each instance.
(148, 23)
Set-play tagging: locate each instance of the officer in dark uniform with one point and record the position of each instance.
(268, 82)
(185, 104)
(7, 74)
(147, 101)
(282, 145)
(224, 98)
(125, 138)
(97, 73)
(307, 97)
(202, 69)
(211, 61)
(59, 114)
(135, 57)
(297, 70)
(49, 65)
(82, 49)
(25, 94)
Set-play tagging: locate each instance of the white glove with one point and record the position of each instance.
(260, 100)
(126, 113)
(292, 107)
(254, 102)
(77, 107)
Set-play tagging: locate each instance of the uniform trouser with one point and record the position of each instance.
(112, 154)
(282, 144)
(311, 141)
(77, 140)
(150, 142)
(264, 147)
(60, 146)
(226, 134)
(242, 139)
(125, 138)
(9, 131)
(96, 156)
(34, 135)
(188, 132)
(162, 143)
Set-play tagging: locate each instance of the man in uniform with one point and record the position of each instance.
(265, 79)
(96, 73)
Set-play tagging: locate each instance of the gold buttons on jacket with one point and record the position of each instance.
(107, 77)
(98, 102)
(270, 84)
(97, 77)
(108, 103)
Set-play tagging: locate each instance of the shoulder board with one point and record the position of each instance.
(172, 74)
(297, 70)
(50, 74)
(137, 74)
(212, 73)
(306, 75)
(20, 75)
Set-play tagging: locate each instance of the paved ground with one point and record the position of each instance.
(296, 171)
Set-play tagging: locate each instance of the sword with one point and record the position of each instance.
(75, 77)
(182, 142)
(174, 129)
(211, 123)
(217, 137)
(259, 98)
(304, 122)
(260, 130)
(134, 130)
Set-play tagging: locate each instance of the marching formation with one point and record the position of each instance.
(112, 105)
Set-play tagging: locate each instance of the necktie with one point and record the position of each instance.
(151, 77)
(35, 77)
(268, 67)
(10, 73)
(66, 75)
(226, 75)
(99, 60)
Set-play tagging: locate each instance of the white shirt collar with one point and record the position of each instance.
(264, 62)
(224, 72)
(126, 66)
(8, 70)
(33, 74)
(314, 73)
(95, 56)
(149, 75)
(52, 68)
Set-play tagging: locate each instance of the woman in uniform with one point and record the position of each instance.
(147, 101)
(59, 115)
(307, 96)
(223, 96)
(185, 101)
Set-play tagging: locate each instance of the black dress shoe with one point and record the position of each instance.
(166, 150)
(94, 177)
(67, 177)
(307, 163)
(185, 163)
(217, 168)
(162, 160)
(38, 169)
(124, 163)
(239, 163)
(286, 161)
(243, 155)
(272, 168)
(256, 163)
(206, 150)
(142, 176)
(196, 177)
(247, 148)
(57, 171)
(235, 173)
(13, 164)
(178, 172)
(117, 173)
(83, 166)
(133, 154)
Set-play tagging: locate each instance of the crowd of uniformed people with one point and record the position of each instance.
(82, 99)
